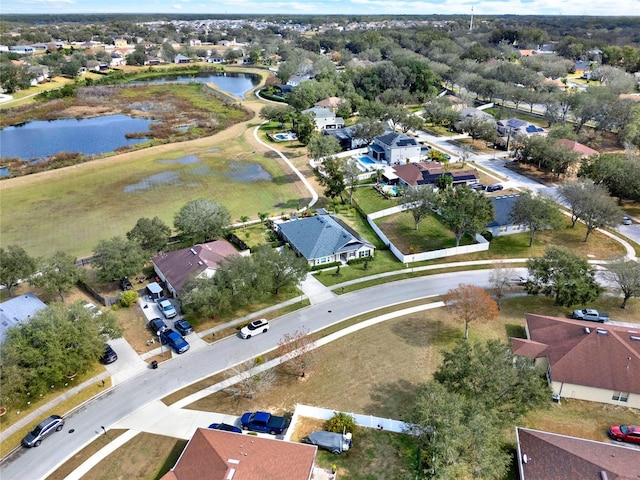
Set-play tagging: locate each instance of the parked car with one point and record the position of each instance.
(95, 311)
(590, 315)
(494, 187)
(254, 328)
(263, 422)
(167, 308)
(183, 327)
(518, 280)
(625, 433)
(34, 438)
(157, 325)
(174, 340)
(225, 427)
(336, 443)
(478, 186)
(626, 220)
(109, 355)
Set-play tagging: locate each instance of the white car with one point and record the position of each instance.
(254, 328)
(626, 220)
(95, 311)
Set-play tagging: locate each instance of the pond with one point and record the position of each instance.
(237, 84)
(87, 136)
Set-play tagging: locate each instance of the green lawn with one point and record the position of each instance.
(75, 208)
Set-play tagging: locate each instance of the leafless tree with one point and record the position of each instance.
(500, 279)
(297, 352)
(625, 274)
(251, 380)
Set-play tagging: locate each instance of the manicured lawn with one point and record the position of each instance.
(75, 208)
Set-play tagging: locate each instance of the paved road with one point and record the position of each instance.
(151, 385)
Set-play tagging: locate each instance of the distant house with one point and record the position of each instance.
(574, 146)
(324, 239)
(195, 42)
(152, 61)
(515, 126)
(427, 173)
(22, 49)
(502, 223)
(296, 80)
(215, 59)
(545, 456)
(331, 103)
(324, 118)
(175, 268)
(18, 310)
(595, 362)
(179, 58)
(219, 455)
(471, 112)
(395, 148)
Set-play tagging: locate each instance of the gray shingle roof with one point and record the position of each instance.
(396, 139)
(320, 236)
(17, 310)
(502, 207)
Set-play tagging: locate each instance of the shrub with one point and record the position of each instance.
(487, 235)
(326, 265)
(128, 298)
(340, 422)
(357, 261)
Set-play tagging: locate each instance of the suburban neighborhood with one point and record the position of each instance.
(319, 247)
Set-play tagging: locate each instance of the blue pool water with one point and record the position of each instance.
(366, 161)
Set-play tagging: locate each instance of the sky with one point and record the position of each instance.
(331, 7)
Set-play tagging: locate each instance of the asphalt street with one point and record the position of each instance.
(84, 425)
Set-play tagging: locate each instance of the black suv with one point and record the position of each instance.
(157, 325)
(45, 428)
(494, 187)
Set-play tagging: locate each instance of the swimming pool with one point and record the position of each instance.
(281, 137)
(365, 160)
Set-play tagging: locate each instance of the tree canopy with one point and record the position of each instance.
(202, 220)
(15, 265)
(470, 303)
(117, 258)
(58, 275)
(464, 211)
(152, 234)
(564, 275)
(536, 213)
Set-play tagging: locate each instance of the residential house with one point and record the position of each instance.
(219, 455)
(545, 456)
(502, 223)
(395, 148)
(18, 310)
(22, 49)
(324, 239)
(471, 112)
(215, 59)
(179, 58)
(331, 103)
(152, 61)
(427, 173)
(39, 74)
(574, 146)
(515, 126)
(195, 42)
(346, 138)
(175, 268)
(324, 118)
(587, 361)
(296, 80)
(121, 43)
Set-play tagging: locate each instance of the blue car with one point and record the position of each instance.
(225, 427)
(183, 327)
(174, 340)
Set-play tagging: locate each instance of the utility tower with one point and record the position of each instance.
(471, 22)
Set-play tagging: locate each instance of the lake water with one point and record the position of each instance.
(101, 134)
(87, 136)
(237, 84)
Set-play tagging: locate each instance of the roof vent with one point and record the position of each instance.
(525, 458)
(632, 331)
(587, 330)
(193, 251)
(601, 331)
(200, 263)
(635, 337)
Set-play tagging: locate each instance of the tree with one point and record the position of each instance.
(351, 174)
(15, 265)
(536, 213)
(251, 380)
(57, 342)
(469, 304)
(137, 57)
(303, 126)
(573, 194)
(117, 258)
(340, 423)
(562, 274)
(420, 201)
(322, 146)
(297, 352)
(625, 274)
(478, 127)
(367, 129)
(619, 173)
(276, 113)
(331, 177)
(152, 234)
(58, 275)
(464, 211)
(202, 220)
(599, 210)
(282, 268)
(500, 280)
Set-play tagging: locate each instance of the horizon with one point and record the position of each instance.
(625, 8)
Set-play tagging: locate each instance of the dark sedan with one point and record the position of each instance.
(226, 427)
(109, 355)
(183, 327)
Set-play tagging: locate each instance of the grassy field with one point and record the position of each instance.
(74, 208)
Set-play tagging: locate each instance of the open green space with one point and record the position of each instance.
(75, 208)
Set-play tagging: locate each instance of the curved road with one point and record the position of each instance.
(126, 398)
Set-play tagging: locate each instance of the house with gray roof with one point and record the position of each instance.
(502, 223)
(18, 310)
(545, 455)
(395, 148)
(324, 239)
(324, 118)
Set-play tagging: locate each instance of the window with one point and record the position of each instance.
(503, 228)
(322, 260)
(620, 396)
(365, 253)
